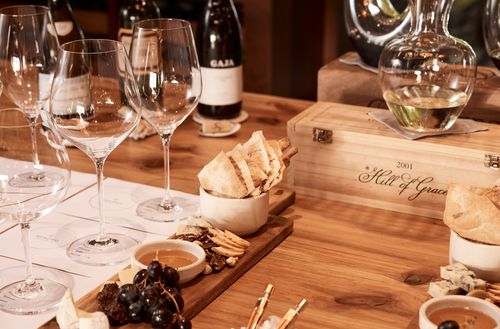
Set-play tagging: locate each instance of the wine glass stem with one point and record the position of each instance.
(29, 279)
(167, 201)
(34, 147)
(99, 166)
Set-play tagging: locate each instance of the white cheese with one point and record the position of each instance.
(70, 317)
(443, 288)
(67, 316)
(127, 275)
(460, 276)
(96, 320)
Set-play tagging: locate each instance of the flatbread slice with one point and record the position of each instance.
(237, 156)
(474, 213)
(274, 163)
(256, 151)
(279, 175)
(219, 177)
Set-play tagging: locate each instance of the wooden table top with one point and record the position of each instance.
(358, 267)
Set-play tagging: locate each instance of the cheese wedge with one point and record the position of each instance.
(67, 316)
(70, 317)
(95, 320)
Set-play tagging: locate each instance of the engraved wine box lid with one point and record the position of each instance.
(347, 156)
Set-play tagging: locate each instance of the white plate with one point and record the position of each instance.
(198, 118)
(236, 127)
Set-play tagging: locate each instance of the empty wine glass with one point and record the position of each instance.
(95, 105)
(27, 203)
(164, 60)
(28, 55)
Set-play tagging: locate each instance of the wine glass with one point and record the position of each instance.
(491, 30)
(28, 56)
(165, 63)
(95, 105)
(29, 202)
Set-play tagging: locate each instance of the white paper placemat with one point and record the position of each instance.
(13, 270)
(121, 201)
(77, 216)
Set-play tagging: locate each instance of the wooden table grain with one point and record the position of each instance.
(358, 267)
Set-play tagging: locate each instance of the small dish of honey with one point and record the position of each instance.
(465, 317)
(187, 257)
(468, 312)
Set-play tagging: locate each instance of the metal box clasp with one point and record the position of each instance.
(322, 136)
(492, 161)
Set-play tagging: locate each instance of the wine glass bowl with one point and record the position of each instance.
(25, 203)
(165, 63)
(95, 105)
(28, 56)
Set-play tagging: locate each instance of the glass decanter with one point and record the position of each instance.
(370, 24)
(427, 76)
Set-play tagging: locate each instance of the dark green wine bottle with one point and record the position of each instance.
(221, 57)
(131, 12)
(67, 27)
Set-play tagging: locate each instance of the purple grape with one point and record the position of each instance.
(170, 276)
(128, 293)
(155, 270)
(135, 312)
(161, 317)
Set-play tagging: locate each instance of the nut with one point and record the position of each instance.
(231, 261)
(207, 270)
(198, 242)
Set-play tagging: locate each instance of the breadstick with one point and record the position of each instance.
(285, 142)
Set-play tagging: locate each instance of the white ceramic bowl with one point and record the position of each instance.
(186, 273)
(432, 305)
(240, 216)
(482, 259)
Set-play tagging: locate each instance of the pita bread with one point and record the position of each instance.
(237, 156)
(249, 169)
(279, 175)
(274, 163)
(219, 177)
(474, 213)
(256, 151)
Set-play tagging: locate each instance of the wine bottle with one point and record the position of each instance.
(67, 27)
(131, 12)
(220, 56)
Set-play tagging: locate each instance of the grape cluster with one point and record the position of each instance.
(153, 297)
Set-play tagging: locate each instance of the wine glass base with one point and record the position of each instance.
(36, 179)
(18, 298)
(153, 210)
(113, 249)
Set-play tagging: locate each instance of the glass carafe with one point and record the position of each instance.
(427, 76)
(370, 24)
(491, 30)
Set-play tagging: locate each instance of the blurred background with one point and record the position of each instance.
(285, 41)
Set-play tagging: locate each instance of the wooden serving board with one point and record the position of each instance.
(199, 293)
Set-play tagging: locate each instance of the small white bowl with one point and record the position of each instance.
(482, 259)
(240, 216)
(435, 304)
(186, 273)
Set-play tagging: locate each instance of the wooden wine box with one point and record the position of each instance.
(347, 156)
